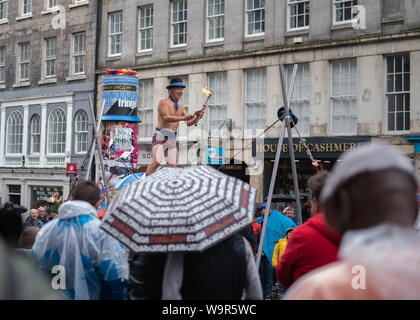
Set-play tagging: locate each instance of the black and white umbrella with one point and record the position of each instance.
(180, 209)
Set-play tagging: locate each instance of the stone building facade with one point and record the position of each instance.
(358, 74)
(47, 72)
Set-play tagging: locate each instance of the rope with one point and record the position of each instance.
(308, 152)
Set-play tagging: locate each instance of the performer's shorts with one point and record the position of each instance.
(167, 138)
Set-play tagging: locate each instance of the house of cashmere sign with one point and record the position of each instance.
(320, 147)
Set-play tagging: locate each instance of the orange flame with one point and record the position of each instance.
(207, 92)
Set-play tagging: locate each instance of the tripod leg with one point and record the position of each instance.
(293, 164)
(270, 193)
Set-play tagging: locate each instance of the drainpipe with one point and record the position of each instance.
(95, 62)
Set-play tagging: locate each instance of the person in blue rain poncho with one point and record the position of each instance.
(95, 264)
(277, 224)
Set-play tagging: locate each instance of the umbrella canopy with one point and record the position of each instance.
(180, 209)
(16, 208)
(129, 179)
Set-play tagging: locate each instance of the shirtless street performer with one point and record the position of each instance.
(170, 112)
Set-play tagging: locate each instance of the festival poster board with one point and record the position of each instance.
(120, 142)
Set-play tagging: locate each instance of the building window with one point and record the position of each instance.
(35, 134)
(14, 193)
(344, 96)
(298, 14)
(215, 20)
(81, 131)
(179, 23)
(255, 99)
(3, 9)
(398, 92)
(56, 131)
(301, 93)
(255, 17)
(342, 11)
(146, 28)
(79, 52)
(2, 64)
(23, 63)
(50, 57)
(217, 109)
(26, 7)
(52, 4)
(14, 133)
(115, 33)
(146, 107)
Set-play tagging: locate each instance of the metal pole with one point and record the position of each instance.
(291, 151)
(98, 148)
(276, 162)
(97, 128)
(270, 193)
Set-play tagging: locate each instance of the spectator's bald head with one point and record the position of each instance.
(370, 186)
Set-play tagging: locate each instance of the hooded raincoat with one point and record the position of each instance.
(381, 262)
(94, 262)
(312, 245)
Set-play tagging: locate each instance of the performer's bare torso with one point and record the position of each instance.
(167, 107)
(164, 138)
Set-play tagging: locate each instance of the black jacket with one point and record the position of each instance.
(248, 233)
(146, 274)
(218, 273)
(10, 228)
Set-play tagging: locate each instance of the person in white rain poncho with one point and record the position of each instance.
(95, 264)
(370, 197)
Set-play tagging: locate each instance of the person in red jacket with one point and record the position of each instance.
(311, 245)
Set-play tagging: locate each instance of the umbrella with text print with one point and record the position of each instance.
(180, 209)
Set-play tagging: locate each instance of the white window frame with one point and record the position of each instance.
(50, 58)
(14, 139)
(174, 23)
(77, 54)
(215, 17)
(51, 4)
(81, 132)
(112, 34)
(25, 4)
(146, 108)
(35, 124)
(143, 16)
(335, 3)
(295, 3)
(403, 92)
(342, 96)
(23, 62)
(4, 4)
(2, 65)
(249, 11)
(55, 135)
(217, 84)
(262, 102)
(301, 96)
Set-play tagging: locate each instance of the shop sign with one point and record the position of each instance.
(320, 147)
(214, 155)
(47, 195)
(71, 168)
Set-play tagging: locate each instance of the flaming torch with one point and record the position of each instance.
(208, 93)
